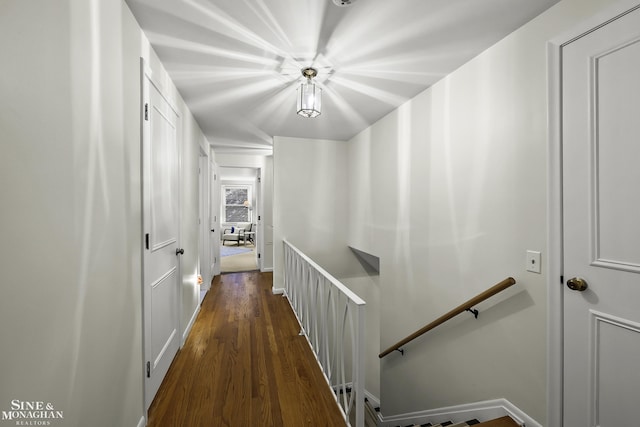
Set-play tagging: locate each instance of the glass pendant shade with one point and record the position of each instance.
(309, 100)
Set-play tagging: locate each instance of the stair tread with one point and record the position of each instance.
(505, 421)
(465, 423)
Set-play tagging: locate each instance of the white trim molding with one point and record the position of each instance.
(482, 411)
(555, 336)
(142, 422)
(278, 291)
(187, 331)
(373, 400)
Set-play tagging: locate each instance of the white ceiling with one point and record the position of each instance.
(237, 62)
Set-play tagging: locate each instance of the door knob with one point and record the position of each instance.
(577, 284)
(213, 230)
(179, 251)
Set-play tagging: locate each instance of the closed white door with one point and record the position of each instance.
(161, 204)
(215, 220)
(601, 225)
(204, 245)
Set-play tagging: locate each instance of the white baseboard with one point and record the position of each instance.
(375, 401)
(142, 422)
(277, 291)
(483, 411)
(186, 332)
(267, 270)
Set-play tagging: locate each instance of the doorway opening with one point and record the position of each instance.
(239, 200)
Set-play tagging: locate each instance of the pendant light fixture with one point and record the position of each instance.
(309, 102)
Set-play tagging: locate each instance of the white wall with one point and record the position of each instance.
(70, 300)
(192, 141)
(310, 201)
(70, 304)
(450, 191)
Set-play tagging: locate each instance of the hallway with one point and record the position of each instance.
(244, 364)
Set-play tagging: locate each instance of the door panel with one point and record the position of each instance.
(163, 315)
(601, 207)
(161, 227)
(617, 154)
(163, 184)
(616, 379)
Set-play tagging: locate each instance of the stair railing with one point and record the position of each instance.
(467, 306)
(332, 318)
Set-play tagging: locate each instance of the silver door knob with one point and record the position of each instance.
(577, 284)
(179, 251)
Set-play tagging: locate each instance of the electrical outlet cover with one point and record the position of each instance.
(533, 261)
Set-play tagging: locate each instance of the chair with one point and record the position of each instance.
(236, 233)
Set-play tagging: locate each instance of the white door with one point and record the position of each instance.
(601, 225)
(215, 219)
(257, 220)
(161, 235)
(204, 266)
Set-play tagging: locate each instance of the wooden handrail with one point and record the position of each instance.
(509, 281)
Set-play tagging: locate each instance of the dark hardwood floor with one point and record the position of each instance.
(244, 364)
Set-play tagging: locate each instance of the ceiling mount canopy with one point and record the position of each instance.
(343, 3)
(309, 72)
(309, 97)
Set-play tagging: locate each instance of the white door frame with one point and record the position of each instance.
(204, 214)
(555, 339)
(257, 238)
(257, 193)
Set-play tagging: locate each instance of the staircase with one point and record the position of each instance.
(372, 420)
(505, 421)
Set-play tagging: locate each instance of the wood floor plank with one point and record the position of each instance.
(244, 364)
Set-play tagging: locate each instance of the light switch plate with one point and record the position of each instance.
(533, 261)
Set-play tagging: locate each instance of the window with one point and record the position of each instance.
(236, 203)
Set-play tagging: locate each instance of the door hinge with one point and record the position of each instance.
(148, 369)
(146, 240)
(258, 217)
(215, 259)
(146, 112)
(562, 279)
(259, 179)
(258, 255)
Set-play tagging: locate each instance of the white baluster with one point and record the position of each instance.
(323, 306)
